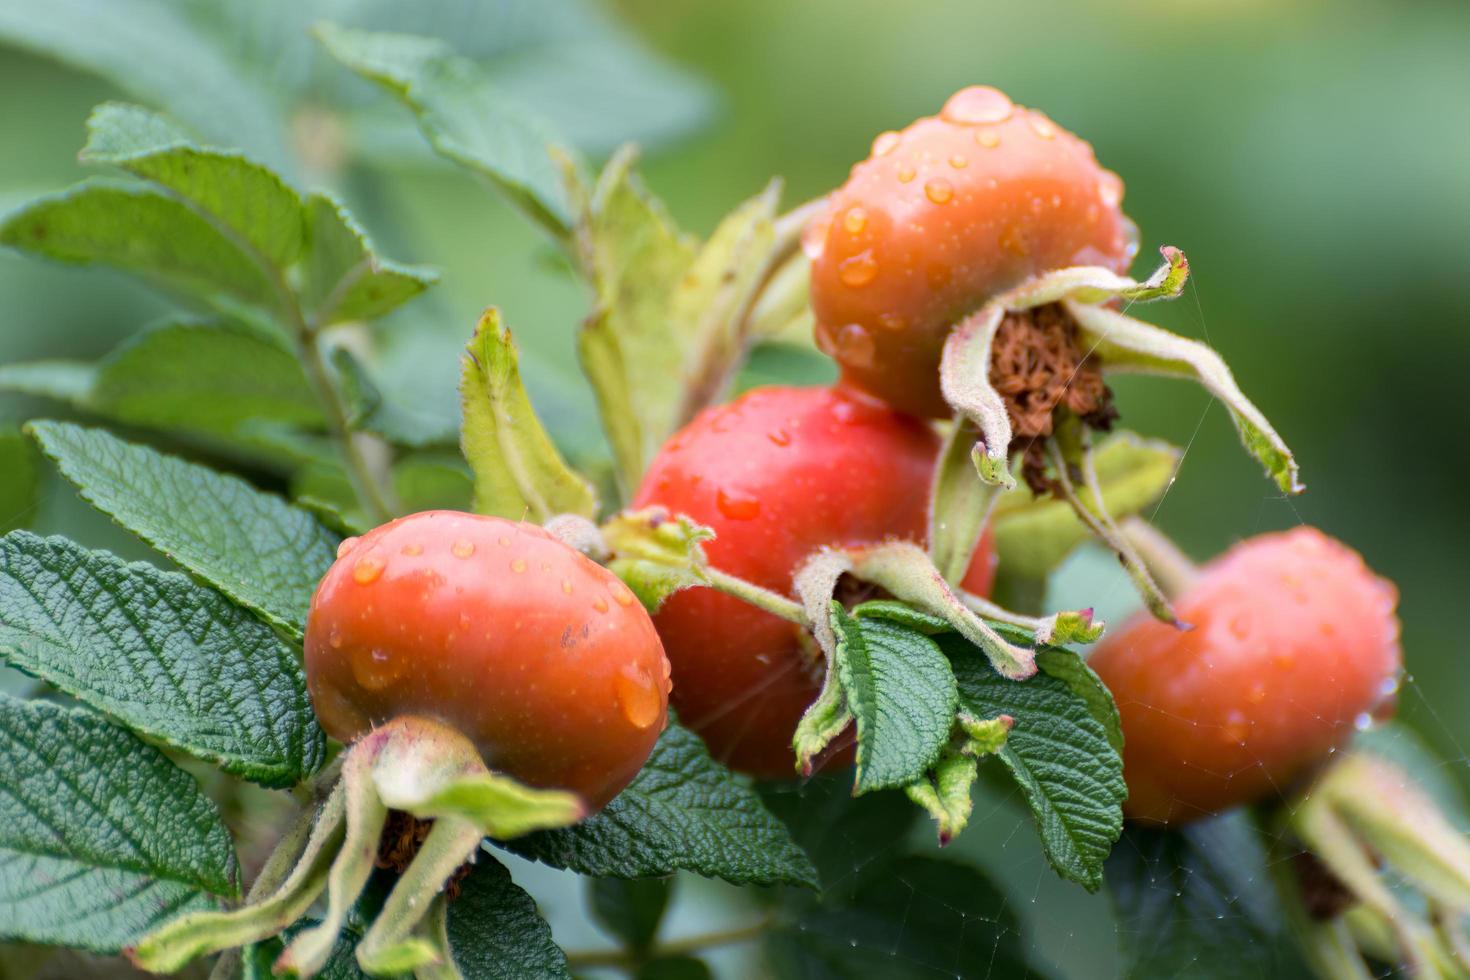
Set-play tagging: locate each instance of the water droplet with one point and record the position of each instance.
(906, 173)
(977, 104)
(600, 604)
(988, 138)
(1013, 240)
(518, 565)
(367, 571)
(376, 668)
(884, 143)
(1110, 189)
(639, 699)
(1363, 721)
(959, 161)
(1043, 126)
(334, 640)
(855, 346)
(891, 321)
(462, 548)
(413, 550)
(737, 505)
(859, 270)
(1389, 687)
(939, 190)
(844, 412)
(855, 220)
(566, 586)
(780, 437)
(622, 596)
(345, 546)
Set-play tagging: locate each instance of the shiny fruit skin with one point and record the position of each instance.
(779, 473)
(538, 655)
(942, 216)
(1294, 641)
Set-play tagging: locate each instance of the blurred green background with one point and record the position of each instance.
(1312, 158)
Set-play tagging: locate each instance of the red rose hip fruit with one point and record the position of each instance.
(942, 216)
(779, 473)
(541, 657)
(1295, 640)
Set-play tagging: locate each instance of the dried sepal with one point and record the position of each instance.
(1094, 284)
(944, 793)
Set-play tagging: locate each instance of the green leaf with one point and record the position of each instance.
(369, 411)
(167, 658)
(343, 278)
(683, 812)
(63, 381)
(629, 909)
(20, 486)
(101, 837)
(636, 258)
(497, 933)
(462, 113)
(1058, 752)
(247, 198)
(901, 692)
(156, 53)
(1034, 534)
(674, 968)
(1073, 671)
(141, 230)
(1198, 902)
(849, 840)
(202, 376)
(923, 918)
(256, 548)
(518, 471)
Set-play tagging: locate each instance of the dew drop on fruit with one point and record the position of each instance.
(988, 138)
(412, 550)
(884, 143)
(622, 596)
(367, 571)
(738, 505)
(1013, 241)
(959, 161)
(1043, 127)
(334, 639)
(939, 190)
(345, 546)
(375, 668)
(906, 173)
(462, 548)
(977, 104)
(855, 346)
(855, 220)
(891, 321)
(503, 541)
(638, 698)
(859, 270)
(1110, 189)
(518, 565)
(566, 586)
(600, 604)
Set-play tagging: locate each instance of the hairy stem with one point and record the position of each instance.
(772, 602)
(1170, 566)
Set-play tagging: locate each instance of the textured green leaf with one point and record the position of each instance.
(157, 54)
(629, 909)
(140, 230)
(202, 376)
(462, 113)
(164, 656)
(922, 918)
(518, 471)
(1033, 534)
(849, 840)
(1073, 671)
(496, 932)
(245, 197)
(101, 837)
(902, 695)
(343, 277)
(369, 411)
(1197, 902)
(683, 811)
(256, 548)
(1058, 752)
(20, 480)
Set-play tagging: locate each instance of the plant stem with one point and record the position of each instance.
(622, 959)
(772, 602)
(1171, 567)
